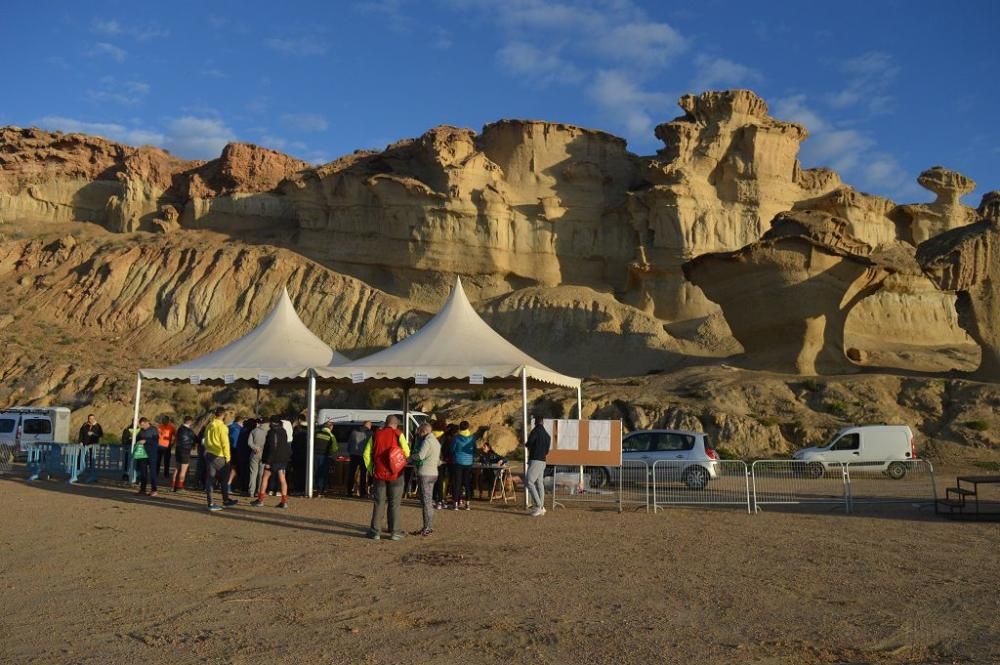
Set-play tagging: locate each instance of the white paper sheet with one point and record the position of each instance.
(569, 435)
(600, 435)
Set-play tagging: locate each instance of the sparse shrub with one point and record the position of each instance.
(988, 466)
(835, 408)
(384, 398)
(726, 453)
(768, 421)
(812, 385)
(978, 425)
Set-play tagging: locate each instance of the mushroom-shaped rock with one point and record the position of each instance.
(786, 297)
(921, 221)
(967, 260)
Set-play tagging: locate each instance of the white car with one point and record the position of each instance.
(885, 448)
(678, 456)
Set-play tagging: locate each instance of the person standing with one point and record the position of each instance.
(242, 462)
(300, 453)
(167, 432)
(217, 456)
(255, 446)
(127, 436)
(538, 445)
(388, 482)
(325, 446)
(463, 452)
(356, 443)
(235, 429)
(146, 450)
(427, 458)
(184, 442)
(277, 452)
(90, 432)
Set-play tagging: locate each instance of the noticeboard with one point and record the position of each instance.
(585, 442)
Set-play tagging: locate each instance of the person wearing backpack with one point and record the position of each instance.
(385, 458)
(184, 442)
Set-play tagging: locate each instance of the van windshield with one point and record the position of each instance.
(6, 425)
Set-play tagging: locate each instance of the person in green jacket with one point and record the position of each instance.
(325, 446)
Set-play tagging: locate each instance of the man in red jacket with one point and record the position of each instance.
(377, 455)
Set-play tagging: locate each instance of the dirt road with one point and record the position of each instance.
(95, 574)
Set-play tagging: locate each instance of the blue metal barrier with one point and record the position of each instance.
(106, 461)
(54, 458)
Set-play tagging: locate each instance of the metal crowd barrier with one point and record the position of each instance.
(793, 482)
(899, 482)
(104, 461)
(7, 451)
(624, 486)
(55, 458)
(716, 483)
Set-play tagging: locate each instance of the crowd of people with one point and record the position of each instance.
(259, 457)
(445, 465)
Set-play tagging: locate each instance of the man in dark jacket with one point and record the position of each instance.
(184, 442)
(90, 432)
(300, 453)
(126, 446)
(538, 445)
(356, 443)
(277, 452)
(149, 438)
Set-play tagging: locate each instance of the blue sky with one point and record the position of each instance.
(886, 88)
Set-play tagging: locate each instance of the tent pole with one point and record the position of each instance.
(579, 416)
(312, 435)
(135, 426)
(524, 404)
(406, 412)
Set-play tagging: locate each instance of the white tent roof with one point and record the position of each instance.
(455, 344)
(282, 347)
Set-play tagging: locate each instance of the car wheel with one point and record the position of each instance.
(896, 470)
(815, 470)
(599, 477)
(696, 478)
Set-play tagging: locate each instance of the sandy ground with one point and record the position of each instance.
(95, 574)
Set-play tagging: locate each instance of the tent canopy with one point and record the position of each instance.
(456, 344)
(282, 347)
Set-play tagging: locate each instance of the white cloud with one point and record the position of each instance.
(715, 72)
(108, 130)
(840, 149)
(543, 67)
(197, 138)
(625, 102)
(440, 38)
(213, 73)
(304, 122)
(302, 46)
(794, 109)
(641, 43)
(138, 32)
(869, 79)
(110, 90)
(114, 52)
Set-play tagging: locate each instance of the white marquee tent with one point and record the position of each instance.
(456, 347)
(280, 347)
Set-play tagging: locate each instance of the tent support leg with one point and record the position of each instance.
(312, 435)
(579, 416)
(135, 427)
(524, 405)
(406, 414)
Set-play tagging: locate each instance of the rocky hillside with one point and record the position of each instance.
(598, 261)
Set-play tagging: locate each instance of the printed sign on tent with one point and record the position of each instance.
(229, 378)
(357, 377)
(264, 379)
(476, 379)
(195, 379)
(420, 379)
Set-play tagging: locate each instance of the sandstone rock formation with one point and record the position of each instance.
(786, 297)
(919, 222)
(967, 260)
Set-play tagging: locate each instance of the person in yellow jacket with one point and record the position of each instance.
(216, 442)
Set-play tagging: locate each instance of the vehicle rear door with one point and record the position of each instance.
(673, 452)
(8, 428)
(35, 429)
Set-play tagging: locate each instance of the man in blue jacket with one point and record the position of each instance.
(463, 454)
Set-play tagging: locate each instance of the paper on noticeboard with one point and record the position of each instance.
(568, 435)
(600, 435)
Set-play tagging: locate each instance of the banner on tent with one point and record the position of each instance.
(195, 379)
(357, 377)
(263, 379)
(420, 379)
(585, 442)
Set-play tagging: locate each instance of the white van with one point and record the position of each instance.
(22, 426)
(375, 415)
(886, 448)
